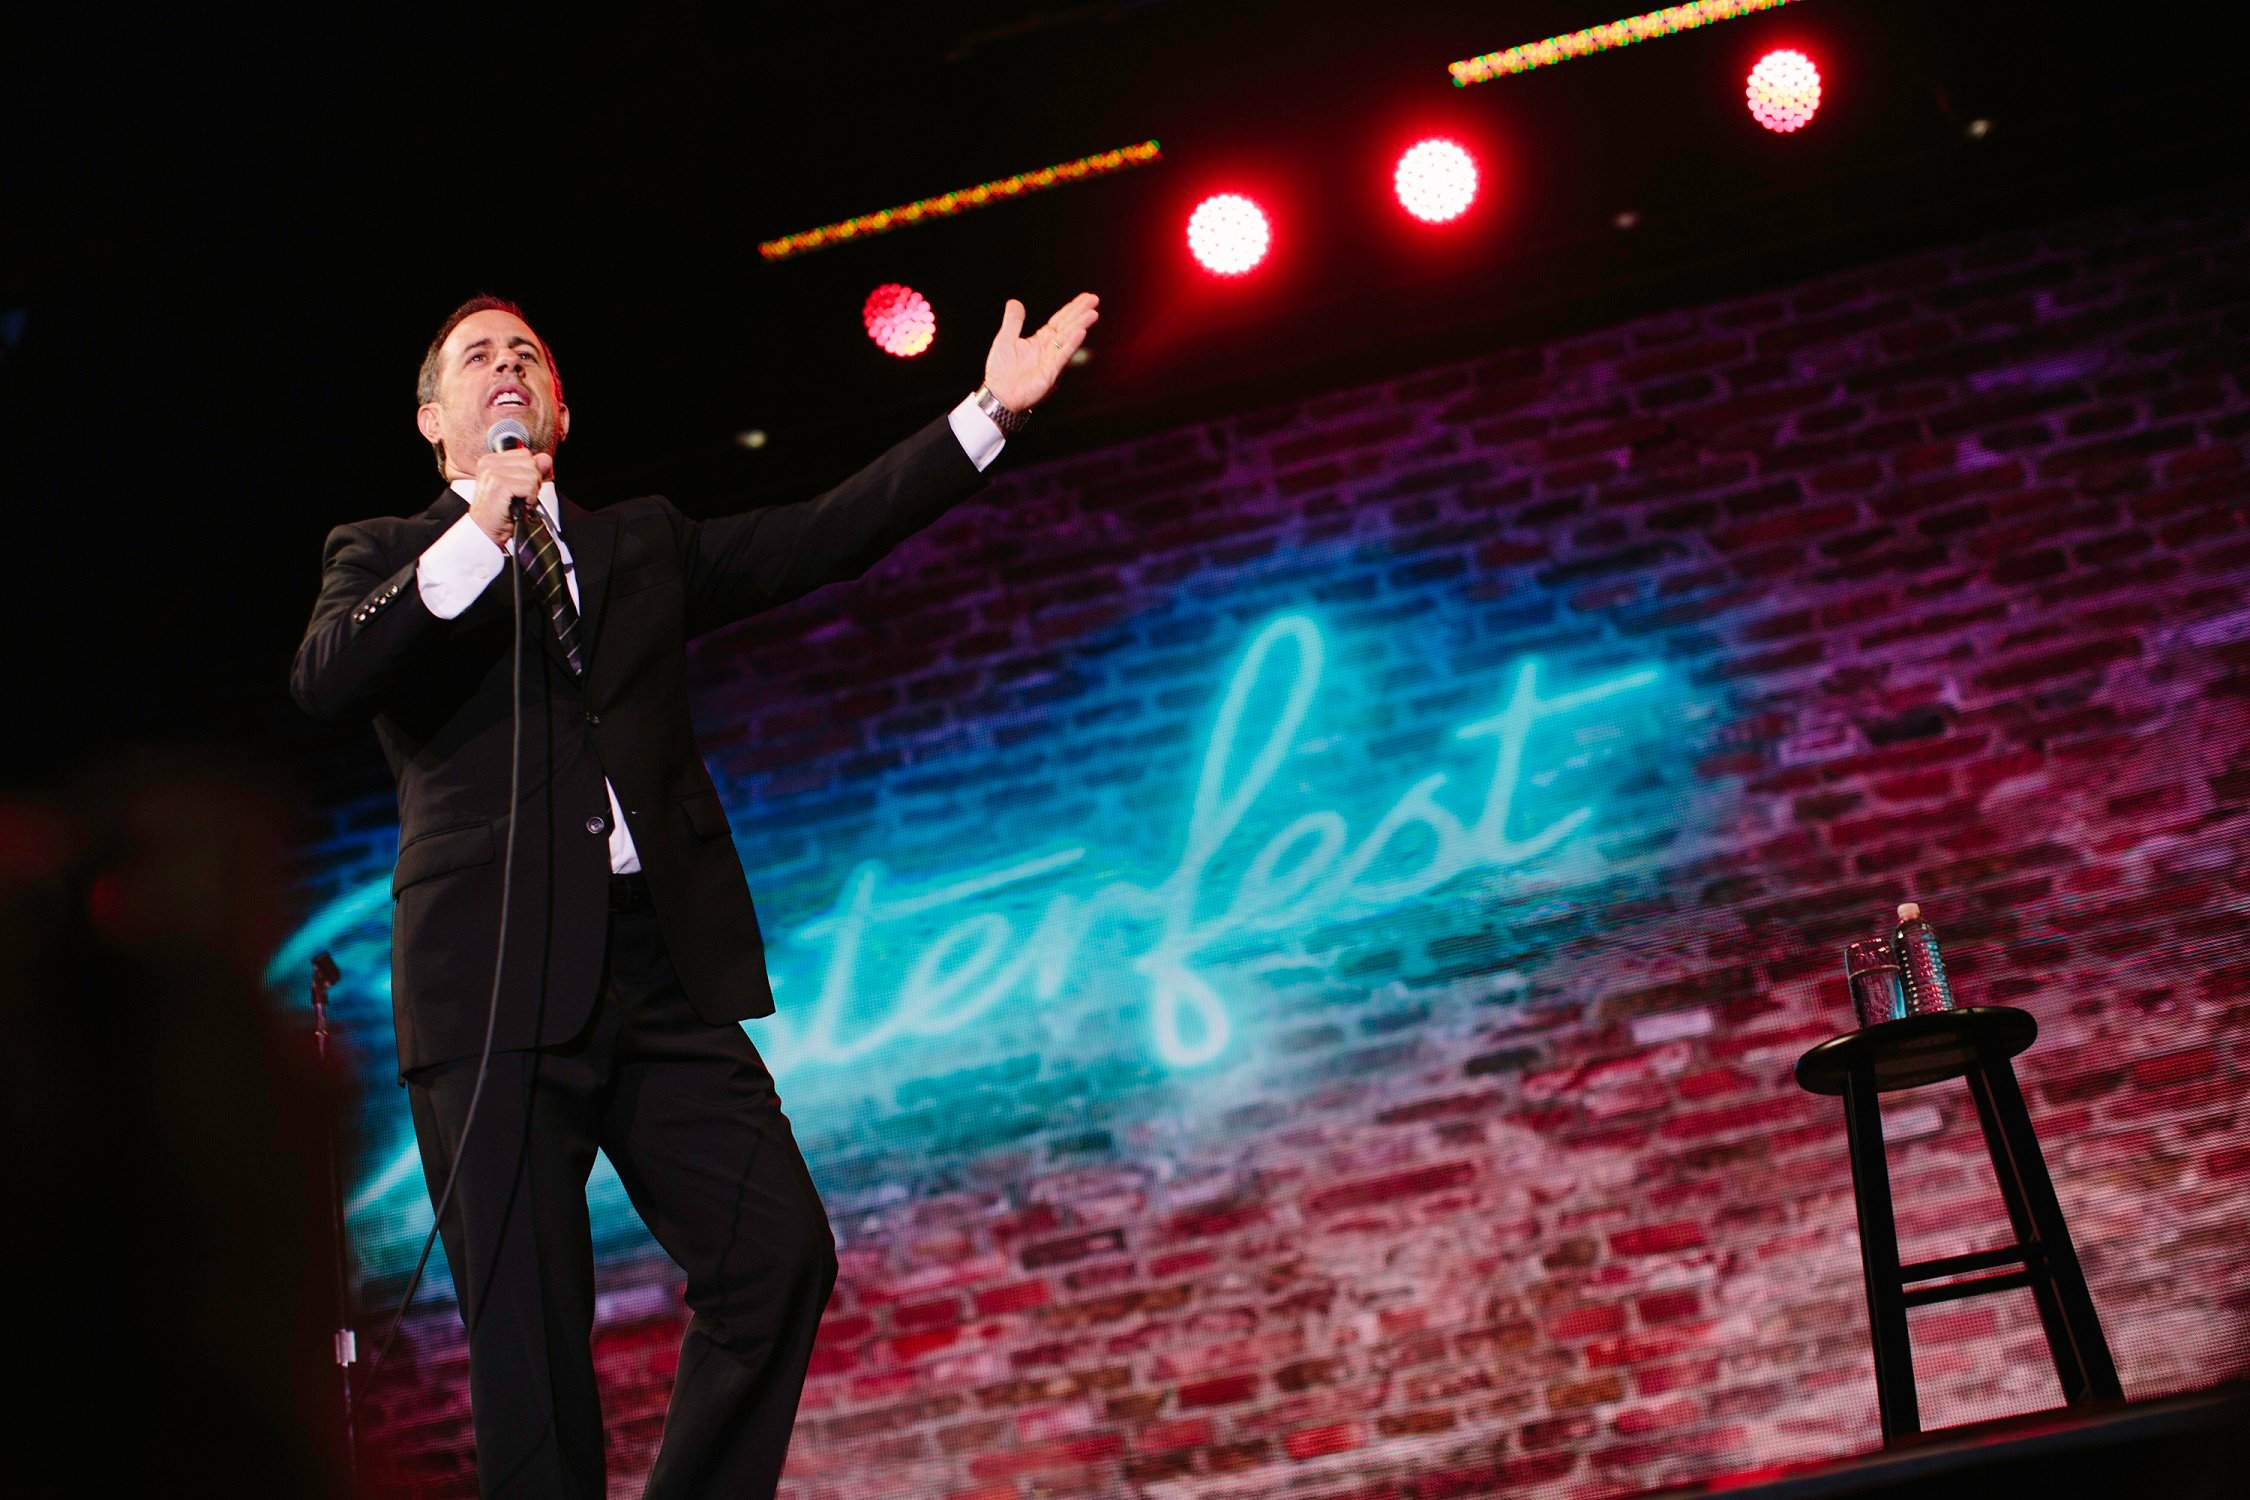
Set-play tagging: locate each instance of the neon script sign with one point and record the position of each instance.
(1217, 894)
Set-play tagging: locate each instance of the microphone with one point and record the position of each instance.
(503, 435)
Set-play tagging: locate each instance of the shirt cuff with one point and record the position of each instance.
(980, 436)
(456, 567)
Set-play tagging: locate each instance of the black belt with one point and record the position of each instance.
(629, 893)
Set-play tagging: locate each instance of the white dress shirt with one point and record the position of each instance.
(463, 561)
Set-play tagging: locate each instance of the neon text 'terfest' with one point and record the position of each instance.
(1309, 870)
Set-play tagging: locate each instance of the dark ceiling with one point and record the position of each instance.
(231, 236)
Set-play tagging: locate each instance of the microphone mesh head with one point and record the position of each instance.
(507, 433)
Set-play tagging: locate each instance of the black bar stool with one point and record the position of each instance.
(1974, 1043)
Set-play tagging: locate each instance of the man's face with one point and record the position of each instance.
(492, 367)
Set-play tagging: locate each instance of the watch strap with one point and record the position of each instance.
(1007, 419)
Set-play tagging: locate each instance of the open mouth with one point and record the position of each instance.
(509, 398)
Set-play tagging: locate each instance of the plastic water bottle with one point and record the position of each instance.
(1927, 989)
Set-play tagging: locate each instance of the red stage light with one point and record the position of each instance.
(899, 320)
(1228, 233)
(1784, 90)
(1436, 180)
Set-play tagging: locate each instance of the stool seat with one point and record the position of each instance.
(1974, 1044)
(1914, 1050)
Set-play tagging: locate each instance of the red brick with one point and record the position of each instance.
(1508, 552)
(1669, 1307)
(1017, 1296)
(914, 1346)
(941, 1313)
(2230, 1161)
(1657, 1239)
(1788, 526)
(1690, 1374)
(1324, 1441)
(2178, 1067)
(1165, 1437)
(1227, 1390)
(847, 1329)
(1598, 1390)
(1072, 1248)
(1215, 1221)
(1572, 1431)
(1587, 1322)
(1180, 1263)
(1399, 1185)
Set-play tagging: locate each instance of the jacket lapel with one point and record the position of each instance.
(592, 540)
(443, 512)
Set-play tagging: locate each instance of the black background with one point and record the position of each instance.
(229, 237)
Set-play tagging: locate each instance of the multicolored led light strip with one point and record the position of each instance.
(945, 205)
(1602, 38)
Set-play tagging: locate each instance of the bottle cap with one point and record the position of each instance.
(1909, 910)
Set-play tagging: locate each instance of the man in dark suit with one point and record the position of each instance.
(630, 951)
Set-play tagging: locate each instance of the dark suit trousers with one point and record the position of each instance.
(687, 1113)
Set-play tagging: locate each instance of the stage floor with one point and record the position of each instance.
(2184, 1447)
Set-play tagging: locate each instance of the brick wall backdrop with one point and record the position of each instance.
(1923, 579)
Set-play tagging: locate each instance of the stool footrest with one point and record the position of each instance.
(1958, 1265)
(1923, 1296)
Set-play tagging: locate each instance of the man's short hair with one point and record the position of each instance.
(426, 382)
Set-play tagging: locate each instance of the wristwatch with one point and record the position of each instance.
(1008, 421)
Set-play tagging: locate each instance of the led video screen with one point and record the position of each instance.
(1291, 935)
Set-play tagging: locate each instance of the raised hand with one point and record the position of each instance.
(1021, 371)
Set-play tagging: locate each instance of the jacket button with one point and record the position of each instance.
(592, 717)
(597, 824)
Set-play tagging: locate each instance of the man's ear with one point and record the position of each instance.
(431, 425)
(562, 424)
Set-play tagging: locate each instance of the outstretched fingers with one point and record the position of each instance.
(1066, 330)
(1079, 312)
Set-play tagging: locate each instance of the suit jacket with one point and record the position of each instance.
(649, 578)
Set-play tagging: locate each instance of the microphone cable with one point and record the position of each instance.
(499, 962)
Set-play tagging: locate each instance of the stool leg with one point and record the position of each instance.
(2061, 1346)
(2066, 1307)
(1895, 1396)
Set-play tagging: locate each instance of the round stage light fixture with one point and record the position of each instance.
(1228, 234)
(1784, 90)
(1436, 180)
(899, 320)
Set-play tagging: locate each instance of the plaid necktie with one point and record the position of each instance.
(542, 561)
